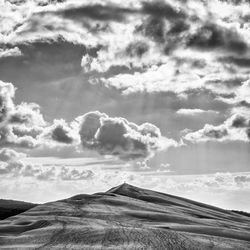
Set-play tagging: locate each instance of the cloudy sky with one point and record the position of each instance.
(153, 93)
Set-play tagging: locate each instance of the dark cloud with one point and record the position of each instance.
(243, 62)
(243, 104)
(117, 13)
(118, 137)
(154, 28)
(164, 24)
(163, 9)
(6, 105)
(3, 110)
(48, 2)
(248, 133)
(212, 36)
(235, 2)
(240, 122)
(178, 27)
(61, 132)
(216, 133)
(38, 2)
(137, 49)
(230, 82)
(97, 12)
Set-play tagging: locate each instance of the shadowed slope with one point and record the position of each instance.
(11, 207)
(126, 217)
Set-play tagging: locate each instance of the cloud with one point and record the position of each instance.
(243, 62)
(162, 46)
(97, 12)
(27, 113)
(6, 105)
(243, 92)
(193, 112)
(11, 165)
(61, 132)
(163, 78)
(163, 9)
(23, 125)
(235, 128)
(213, 37)
(11, 168)
(74, 174)
(119, 137)
(7, 154)
(103, 35)
(16, 168)
(19, 124)
(12, 52)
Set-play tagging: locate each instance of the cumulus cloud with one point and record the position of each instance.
(61, 132)
(6, 105)
(7, 154)
(19, 124)
(119, 137)
(23, 126)
(235, 128)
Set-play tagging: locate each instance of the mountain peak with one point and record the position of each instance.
(124, 189)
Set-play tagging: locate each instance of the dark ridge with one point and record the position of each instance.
(241, 213)
(10, 208)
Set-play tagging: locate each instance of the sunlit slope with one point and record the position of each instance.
(125, 217)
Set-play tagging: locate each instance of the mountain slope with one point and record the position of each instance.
(11, 207)
(125, 217)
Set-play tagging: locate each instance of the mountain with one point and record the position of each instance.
(126, 217)
(11, 207)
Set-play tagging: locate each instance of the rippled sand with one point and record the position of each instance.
(125, 217)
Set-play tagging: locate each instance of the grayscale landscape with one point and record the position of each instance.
(95, 93)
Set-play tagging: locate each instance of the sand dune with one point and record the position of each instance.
(126, 217)
(10, 208)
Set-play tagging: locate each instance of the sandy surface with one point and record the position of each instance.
(11, 207)
(125, 217)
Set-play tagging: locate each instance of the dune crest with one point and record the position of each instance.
(125, 217)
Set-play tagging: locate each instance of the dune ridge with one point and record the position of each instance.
(125, 217)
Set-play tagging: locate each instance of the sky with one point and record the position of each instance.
(152, 93)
